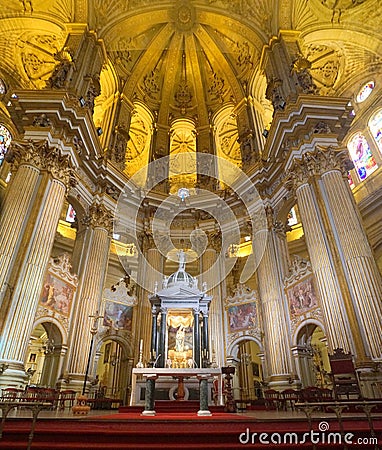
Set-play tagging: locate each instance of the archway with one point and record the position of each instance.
(247, 381)
(45, 355)
(113, 370)
(313, 360)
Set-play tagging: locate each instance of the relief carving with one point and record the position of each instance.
(301, 69)
(62, 71)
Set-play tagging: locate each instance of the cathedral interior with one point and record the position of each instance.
(230, 149)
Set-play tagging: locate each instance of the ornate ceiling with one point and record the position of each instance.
(186, 59)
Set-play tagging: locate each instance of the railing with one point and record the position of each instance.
(35, 406)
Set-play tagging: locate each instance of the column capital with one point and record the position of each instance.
(316, 163)
(43, 157)
(99, 217)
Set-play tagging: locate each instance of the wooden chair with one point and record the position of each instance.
(311, 394)
(272, 399)
(344, 376)
(290, 397)
(11, 394)
(67, 395)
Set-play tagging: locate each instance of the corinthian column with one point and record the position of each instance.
(361, 272)
(273, 301)
(89, 295)
(14, 214)
(32, 245)
(336, 305)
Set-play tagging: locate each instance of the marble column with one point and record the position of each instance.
(341, 323)
(276, 332)
(16, 209)
(89, 295)
(357, 258)
(162, 338)
(205, 340)
(150, 396)
(154, 332)
(203, 396)
(360, 269)
(33, 245)
(196, 338)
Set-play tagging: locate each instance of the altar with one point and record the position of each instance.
(146, 382)
(180, 366)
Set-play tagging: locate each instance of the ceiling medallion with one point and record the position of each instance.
(184, 16)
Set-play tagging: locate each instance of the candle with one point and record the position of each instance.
(141, 346)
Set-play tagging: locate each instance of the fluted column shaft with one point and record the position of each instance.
(338, 332)
(360, 268)
(347, 277)
(89, 295)
(26, 295)
(277, 342)
(13, 218)
(32, 242)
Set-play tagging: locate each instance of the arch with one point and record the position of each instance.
(57, 331)
(307, 325)
(122, 341)
(233, 348)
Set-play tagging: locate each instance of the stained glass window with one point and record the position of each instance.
(5, 140)
(351, 182)
(365, 91)
(375, 125)
(361, 155)
(71, 214)
(292, 217)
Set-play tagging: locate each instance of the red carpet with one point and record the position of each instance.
(167, 431)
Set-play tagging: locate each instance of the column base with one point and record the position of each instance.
(13, 378)
(204, 413)
(148, 413)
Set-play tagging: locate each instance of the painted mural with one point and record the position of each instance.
(242, 317)
(302, 297)
(117, 316)
(57, 295)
